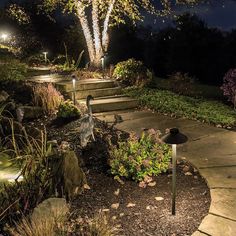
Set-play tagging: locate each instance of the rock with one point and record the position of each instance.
(142, 184)
(122, 214)
(3, 96)
(195, 177)
(131, 205)
(186, 169)
(20, 114)
(70, 175)
(147, 179)
(105, 210)
(152, 184)
(188, 173)
(31, 112)
(117, 192)
(86, 186)
(159, 198)
(115, 206)
(55, 208)
(114, 217)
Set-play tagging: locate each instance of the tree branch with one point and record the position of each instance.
(86, 30)
(105, 36)
(96, 27)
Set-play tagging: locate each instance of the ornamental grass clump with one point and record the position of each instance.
(139, 158)
(229, 86)
(46, 96)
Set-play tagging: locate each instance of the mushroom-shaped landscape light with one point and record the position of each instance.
(174, 137)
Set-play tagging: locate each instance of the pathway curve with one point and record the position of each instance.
(211, 150)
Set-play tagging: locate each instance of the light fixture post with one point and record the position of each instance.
(173, 177)
(174, 137)
(45, 56)
(73, 84)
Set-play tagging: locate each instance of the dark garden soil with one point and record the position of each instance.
(134, 210)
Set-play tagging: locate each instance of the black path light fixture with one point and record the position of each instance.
(174, 137)
(103, 61)
(74, 79)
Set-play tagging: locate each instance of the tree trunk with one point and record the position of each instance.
(87, 33)
(97, 42)
(97, 36)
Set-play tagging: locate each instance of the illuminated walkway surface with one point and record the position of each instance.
(211, 150)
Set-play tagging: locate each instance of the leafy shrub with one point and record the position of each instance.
(132, 72)
(46, 96)
(12, 70)
(181, 83)
(36, 59)
(68, 110)
(140, 157)
(163, 101)
(229, 86)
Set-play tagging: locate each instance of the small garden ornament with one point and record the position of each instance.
(87, 124)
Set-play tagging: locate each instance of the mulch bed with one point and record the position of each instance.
(148, 216)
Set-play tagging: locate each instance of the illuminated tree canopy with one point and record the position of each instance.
(97, 16)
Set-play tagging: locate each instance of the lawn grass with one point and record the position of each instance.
(163, 101)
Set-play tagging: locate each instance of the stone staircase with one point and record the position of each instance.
(107, 94)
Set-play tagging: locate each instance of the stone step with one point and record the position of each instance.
(89, 84)
(82, 94)
(112, 104)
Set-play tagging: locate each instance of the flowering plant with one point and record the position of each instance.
(229, 86)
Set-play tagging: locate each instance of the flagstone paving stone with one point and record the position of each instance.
(217, 226)
(223, 203)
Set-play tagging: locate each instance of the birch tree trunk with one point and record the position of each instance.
(96, 35)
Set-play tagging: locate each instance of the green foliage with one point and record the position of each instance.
(36, 59)
(12, 70)
(181, 83)
(46, 96)
(69, 64)
(163, 101)
(132, 72)
(138, 158)
(18, 198)
(68, 110)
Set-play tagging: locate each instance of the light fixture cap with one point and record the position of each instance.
(174, 137)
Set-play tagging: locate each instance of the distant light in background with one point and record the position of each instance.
(4, 36)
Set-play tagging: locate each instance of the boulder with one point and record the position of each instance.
(30, 112)
(73, 175)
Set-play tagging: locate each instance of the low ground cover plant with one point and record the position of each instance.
(12, 70)
(209, 111)
(132, 72)
(139, 158)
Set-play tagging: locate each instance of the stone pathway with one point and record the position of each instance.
(211, 150)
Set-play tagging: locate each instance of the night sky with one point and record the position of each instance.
(220, 13)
